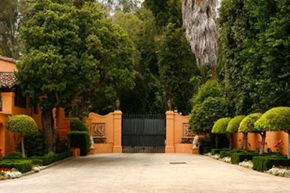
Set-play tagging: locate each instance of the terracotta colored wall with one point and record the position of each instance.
(108, 127)
(271, 139)
(175, 125)
(6, 66)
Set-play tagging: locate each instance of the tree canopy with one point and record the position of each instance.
(234, 124)
(220, 126)
(247, 125)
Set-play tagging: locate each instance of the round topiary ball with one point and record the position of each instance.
(22, 124)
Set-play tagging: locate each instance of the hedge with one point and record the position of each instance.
(217, 151)
(228, 153)
(80, 139)
(13, 155)
(49, 158)
(236, 158)
(20, 165)
(77, 125)
(204, 146)
(263, 163)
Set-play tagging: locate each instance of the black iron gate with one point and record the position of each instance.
(143, 133)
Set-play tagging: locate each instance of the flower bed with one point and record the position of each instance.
(283, 172)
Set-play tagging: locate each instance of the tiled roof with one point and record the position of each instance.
(7, 79)
(7, 59)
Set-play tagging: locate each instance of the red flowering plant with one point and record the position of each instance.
(279, 145)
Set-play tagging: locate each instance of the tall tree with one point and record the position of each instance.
(199, 18)
(177, 66)
(72, 53)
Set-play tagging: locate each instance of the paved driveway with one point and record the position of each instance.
(146, 173)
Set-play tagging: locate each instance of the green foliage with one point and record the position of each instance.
(80, 139)
(248, 123)
(77, 125)
(275, 119)
(34, 144)
(74, 55)
(204, 145)
(264, 163)
(204, 115)
(210, 89)
(236, 158)
(22, 123)
(220, 126)
(13, 155)
(228, 153)
(49, 158)
(234, 124)
(21, 165)
(217, 151)
(176, 67)
(254, 53)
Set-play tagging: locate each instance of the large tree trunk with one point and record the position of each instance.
(262, 147)
(245, 141)
(48, 129)
(22, 146)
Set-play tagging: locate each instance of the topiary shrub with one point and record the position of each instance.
(21, 165)
(276, 119)
(77, 125)
(34, 144)
(13, 155)
(228, 153)
(247, 125)
(22, 124)
(217, 151)
(80, 139)
(238, 157)
(220, 127)
(233, 127)
(263, 163)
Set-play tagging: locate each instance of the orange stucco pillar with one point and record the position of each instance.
(169, 146)
(117, 147)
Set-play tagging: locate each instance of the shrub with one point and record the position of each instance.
(22, 124)
(20, 165)
(228, 153)
(276, 119)
(34, 144)
(204, 146)
(263, 163)
(220, 126)
(234, 124)
(238, 157)
(217, 151)
(204, 115)
(77, 125)
(49, 158)
(80, 139)
(13, 155)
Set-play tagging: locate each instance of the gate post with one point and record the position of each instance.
(169, 146)
(117, 125)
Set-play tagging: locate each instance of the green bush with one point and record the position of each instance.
(248, 123)
(34, 144)
(238, 157)
(217, 151)
(49, 158)
(263, 163)
(22, 124)
(80, 139)
(13, 155)
(228, 153)
(204, 146)
(234, 124)
(20, 165)
(77, 125)
(220, 126)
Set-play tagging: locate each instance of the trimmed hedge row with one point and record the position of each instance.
(217, 151)
(263, 163)
(228, 153)
(236, 158)
(80, 139)
(20, 165)
(49, 158)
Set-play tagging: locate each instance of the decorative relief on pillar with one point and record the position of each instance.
(98, 130)
(187, 133)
